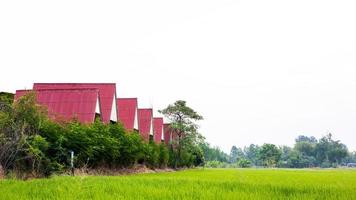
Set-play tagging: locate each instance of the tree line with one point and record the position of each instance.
(306, 152)
(33, 145)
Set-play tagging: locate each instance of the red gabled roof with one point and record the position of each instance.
(127, 112)
(67, 104)
(145, 122)
(157, 129)
(107, 94)
(20, 93)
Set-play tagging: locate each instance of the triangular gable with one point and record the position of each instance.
(97, 106)
(107, 95)
(151, 126)
(157, 129)
(127, 108)
(114, 111)
(136, 120)
(145, 127)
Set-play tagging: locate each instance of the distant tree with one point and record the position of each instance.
(252, 153)
(329, 152)
(233, 154)
(303, 138)
(292, 158)
(244, 163)
(213, 153)
(350, 158)
(270, 154)
(306, 145)
(184, 125)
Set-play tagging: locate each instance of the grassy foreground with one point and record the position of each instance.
(192, 184)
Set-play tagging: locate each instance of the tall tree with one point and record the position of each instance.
(233, 154)
(270, 154)
(306, 145)
(330, 152)
(18, 122)
(251, 152)
(184, 126)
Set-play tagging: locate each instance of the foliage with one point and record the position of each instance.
(244, 163)
(163, 156)
(307, 152)
(19, 125)
(330, 151)
(213, 153)
(270, 155)
(233, 154)
(236, 154)
(186, 138)
(6, 98)
(216, 164)
(251, 153)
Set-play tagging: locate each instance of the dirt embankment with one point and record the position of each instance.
(138, 169)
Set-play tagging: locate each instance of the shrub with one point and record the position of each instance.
(244, 163)
(213, 164)
(163, 155)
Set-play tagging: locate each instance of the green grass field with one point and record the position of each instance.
(192, 184)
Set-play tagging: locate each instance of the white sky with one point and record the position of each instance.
(258, 71)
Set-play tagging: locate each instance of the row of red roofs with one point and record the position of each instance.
(83, 101)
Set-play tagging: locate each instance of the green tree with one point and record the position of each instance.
(306, 145)
(292, 158)
(213, 153)
(184, 125)
(233, 154)
(244, 163)
(270, 154)
(19, 126)
(329, 153)
(252, 153)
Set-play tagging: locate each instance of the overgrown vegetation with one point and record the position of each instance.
(33, 145)
(6, 97)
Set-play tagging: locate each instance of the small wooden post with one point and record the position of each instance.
(72, 162)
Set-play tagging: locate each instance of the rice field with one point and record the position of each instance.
(192, 184)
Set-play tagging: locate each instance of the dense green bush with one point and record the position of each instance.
(163, 156)
(243, 163)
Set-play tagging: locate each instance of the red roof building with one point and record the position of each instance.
(67, 104)
(20, 93)
(127, 114)
(157, 129)
(145, 127)
(107, 95)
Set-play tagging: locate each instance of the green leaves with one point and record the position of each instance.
(270, 154)
(184, 133)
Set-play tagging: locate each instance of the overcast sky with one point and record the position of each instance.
(259, 71)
